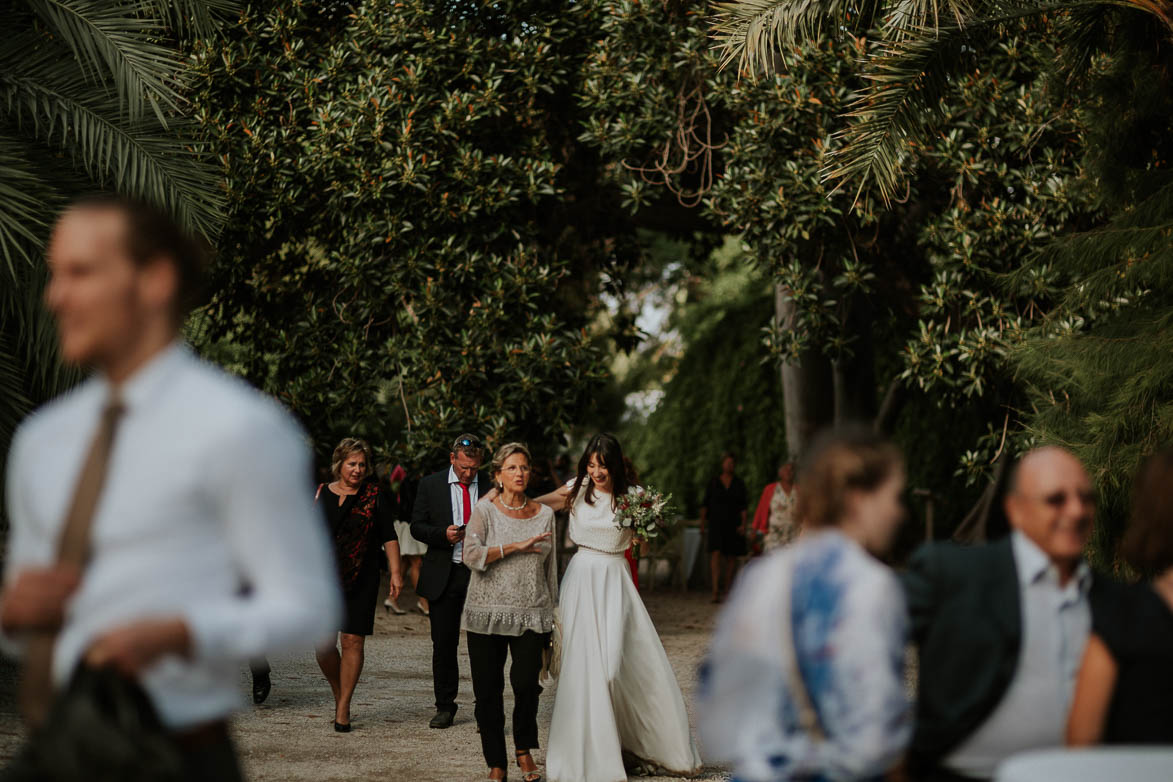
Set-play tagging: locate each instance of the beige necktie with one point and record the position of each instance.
(73, 548)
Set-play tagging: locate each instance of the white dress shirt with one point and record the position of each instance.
(208, 492)
(474, 491)
(1056, 622)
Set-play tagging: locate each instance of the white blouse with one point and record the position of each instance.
(592, 525)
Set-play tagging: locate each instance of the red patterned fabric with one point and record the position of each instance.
(352, 534)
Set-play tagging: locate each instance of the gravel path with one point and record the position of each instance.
(290, 738)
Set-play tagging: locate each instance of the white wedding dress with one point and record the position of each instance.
(616, 690)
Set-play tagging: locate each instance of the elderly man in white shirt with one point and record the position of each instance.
(204, 547)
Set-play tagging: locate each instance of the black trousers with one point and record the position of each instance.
(486, 654)
(445, 614)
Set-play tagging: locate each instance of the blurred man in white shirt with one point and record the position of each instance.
(205, 547)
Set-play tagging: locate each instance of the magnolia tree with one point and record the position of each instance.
(408, 199)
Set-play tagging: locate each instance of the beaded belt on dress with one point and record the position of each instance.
(601, 551)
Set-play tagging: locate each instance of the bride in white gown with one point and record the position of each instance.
(617, 694)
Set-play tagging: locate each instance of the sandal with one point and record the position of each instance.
(504, 777)
(533, 775)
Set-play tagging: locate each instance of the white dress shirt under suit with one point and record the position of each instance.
(474, 491)
(1056, 623)
(208, 492)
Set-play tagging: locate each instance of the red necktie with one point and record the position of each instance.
(466, 510)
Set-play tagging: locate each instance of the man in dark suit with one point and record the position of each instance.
(443, 504)
(1001, 628)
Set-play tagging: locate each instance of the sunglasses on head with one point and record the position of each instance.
(1058, 499)
(466, 442)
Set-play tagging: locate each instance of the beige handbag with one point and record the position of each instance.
(552, 654)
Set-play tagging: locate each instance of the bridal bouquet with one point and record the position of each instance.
(645, 511)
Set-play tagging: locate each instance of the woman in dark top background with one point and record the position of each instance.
(362, 526)
(1124, 694)
(723, 513)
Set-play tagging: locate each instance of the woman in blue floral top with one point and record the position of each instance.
(805, 675)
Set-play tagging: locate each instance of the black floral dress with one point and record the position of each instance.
(360, 526)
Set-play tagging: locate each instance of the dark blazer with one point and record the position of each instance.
(963, 602)
(431, 516)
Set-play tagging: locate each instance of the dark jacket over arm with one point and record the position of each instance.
(963, 606)
(431, 516)
(965, 609)
(430, 519)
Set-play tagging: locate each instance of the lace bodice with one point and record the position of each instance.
(593, 526)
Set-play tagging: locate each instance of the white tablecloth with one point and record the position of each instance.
(1115, 764)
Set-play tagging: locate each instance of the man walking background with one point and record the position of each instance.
(443, 505)
(162, 521)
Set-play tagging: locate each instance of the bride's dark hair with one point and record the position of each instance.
(607, 449)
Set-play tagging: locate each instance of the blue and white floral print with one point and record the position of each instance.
(848, 621)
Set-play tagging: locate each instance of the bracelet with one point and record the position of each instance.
(502, 550)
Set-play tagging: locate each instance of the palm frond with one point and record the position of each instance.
(909, 76)
(754, 33)
(908, 79)
(115, 42)
(906, 17)
(1084, 32)
(32, 336)
(14, 404)
(50, 99)
(1159, 9)
(198, 17)
(28, 201)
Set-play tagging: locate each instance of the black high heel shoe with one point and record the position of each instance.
(340, 728)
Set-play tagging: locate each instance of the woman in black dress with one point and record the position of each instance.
(363, 530)
(1124, 694)
(723, 515)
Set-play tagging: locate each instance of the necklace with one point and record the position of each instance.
(507, 506)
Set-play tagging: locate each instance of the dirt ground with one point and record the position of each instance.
(291, 738)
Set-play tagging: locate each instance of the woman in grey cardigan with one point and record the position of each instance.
(510, 607)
